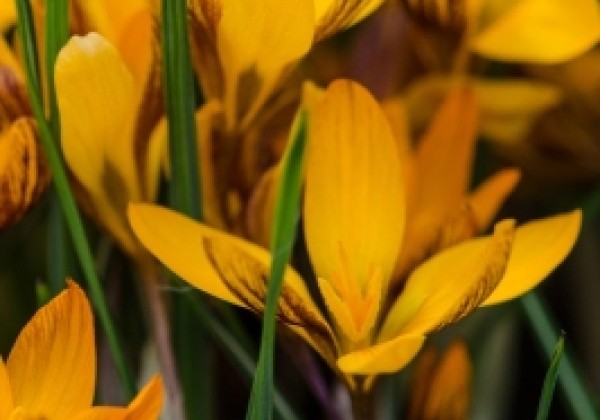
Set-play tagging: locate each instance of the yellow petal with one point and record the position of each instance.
(103, 413)
(539, 247)
(6, 402)
(510, 108)
(177, 242)
(52, 366)
(541, 31)
(487, 199)
(280, 33)
(334, 15)
(8, 15)
(387, 357)
(96, 98)
(450, 285)
(354, 202)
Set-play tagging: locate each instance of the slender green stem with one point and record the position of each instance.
(192, 346)
(283, 236)
(570, 383)
(236, 353)
(71, 213)
(58, 249)
(550, 379)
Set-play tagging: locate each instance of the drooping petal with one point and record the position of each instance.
(507, 120)
(6, 402)
(177, 242)
(354, 202)
(226, 267)
(95, 94)
(450, 285)
(539, 247)
(52, 366)
(387, 357)
(541, 31)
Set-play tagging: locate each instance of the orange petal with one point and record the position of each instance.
(354, 202)
(52, 366)
(149, 401)
(6, 402)
(445, 154)
(387, 357)
(487, 199)
(539, 247)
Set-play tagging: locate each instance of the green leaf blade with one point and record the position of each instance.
(282, 240)
(550, 380)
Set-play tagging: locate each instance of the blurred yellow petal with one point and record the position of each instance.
(354, 201)
(387, 357)
(541, 31)
(95, 94)
(441, 387)
(104, 413)
(450, 285)
(487, 199)
(6, 402)
(506, 119)
(539, 247)
(52, 365)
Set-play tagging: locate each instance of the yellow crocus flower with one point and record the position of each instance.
(107, 142)
(355, 218)
(243, 51)
(50, 372)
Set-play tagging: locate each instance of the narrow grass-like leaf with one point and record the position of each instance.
(236, 352)
(58, 246)
(569, 381)
(282, 240)
(71, 213)
(179, 95)
(550, 380)
(185, 195)
(57, 35)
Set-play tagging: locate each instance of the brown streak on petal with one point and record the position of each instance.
(203, 17)
(23, 171)
(246, 278)
(497, 261)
